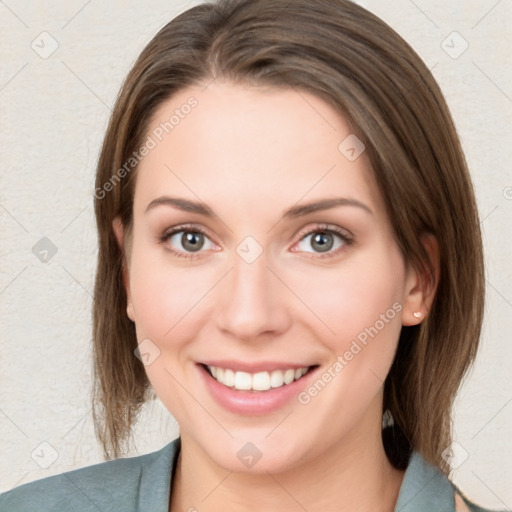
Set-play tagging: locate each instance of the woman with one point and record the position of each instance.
(282, 202)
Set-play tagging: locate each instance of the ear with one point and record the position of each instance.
(420, 286)
(118, 229)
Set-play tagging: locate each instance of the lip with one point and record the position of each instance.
(253, 403)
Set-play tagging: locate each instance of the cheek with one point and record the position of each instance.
(363, 294)
(167, 298)
(167, 304)
(360, 309)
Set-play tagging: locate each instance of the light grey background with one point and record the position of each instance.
(54, 111)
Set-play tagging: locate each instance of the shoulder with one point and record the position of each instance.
(464, 504)
(426, 487)
(119, 484)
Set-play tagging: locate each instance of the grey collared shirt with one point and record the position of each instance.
(142, 484)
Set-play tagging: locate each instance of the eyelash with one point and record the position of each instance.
(320, 228)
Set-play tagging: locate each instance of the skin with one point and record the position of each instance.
(249, 154)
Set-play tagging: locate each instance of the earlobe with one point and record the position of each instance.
(421, 285)
(118, 229)
(130, 313)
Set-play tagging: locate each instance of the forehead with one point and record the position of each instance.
(246, 145)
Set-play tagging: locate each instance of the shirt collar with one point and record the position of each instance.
(424, 487)
(156, 478)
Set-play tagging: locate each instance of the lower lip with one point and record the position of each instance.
(253, 403)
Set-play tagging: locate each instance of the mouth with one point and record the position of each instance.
(254, 389)
(256, 382)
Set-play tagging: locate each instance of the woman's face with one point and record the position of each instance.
(257, 284)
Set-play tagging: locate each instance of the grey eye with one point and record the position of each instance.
(190, 241)
(322, 241)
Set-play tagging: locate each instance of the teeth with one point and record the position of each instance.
(229, 378)
(243, 380)
(277, 379)
(289, 376)
(261, 381)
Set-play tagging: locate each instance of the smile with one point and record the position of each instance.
(255, 388)
(260, 381)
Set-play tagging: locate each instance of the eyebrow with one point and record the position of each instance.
(294, 212)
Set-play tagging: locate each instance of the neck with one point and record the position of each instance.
(353, 475)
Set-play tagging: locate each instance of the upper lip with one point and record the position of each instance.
(253, 366)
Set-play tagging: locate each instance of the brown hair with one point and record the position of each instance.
(370, 75)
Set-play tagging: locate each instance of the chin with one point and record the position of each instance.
(255, 454)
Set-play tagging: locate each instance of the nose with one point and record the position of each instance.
(252, 302)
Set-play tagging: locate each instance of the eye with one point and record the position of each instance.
(187, 239)
(326, 241)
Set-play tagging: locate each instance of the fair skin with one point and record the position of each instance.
(249, 154)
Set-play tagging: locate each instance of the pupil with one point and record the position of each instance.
(190, 242)
(320, 238)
